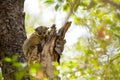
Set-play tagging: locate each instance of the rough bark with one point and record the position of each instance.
(12, 35)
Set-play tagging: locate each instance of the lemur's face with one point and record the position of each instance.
(42, 31)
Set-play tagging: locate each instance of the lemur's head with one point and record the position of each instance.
(42, 30)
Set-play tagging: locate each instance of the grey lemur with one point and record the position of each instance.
(35, 39)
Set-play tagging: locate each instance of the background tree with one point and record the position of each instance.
(12, 36)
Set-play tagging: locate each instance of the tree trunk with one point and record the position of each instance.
(12, 35)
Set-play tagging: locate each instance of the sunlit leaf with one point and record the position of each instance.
(17, 64)
(29, 30)
(33, 70)
(56, 7)
(89, 51)
(45, 79)
(66, 7)
(70, 1)
(27, 16)
(8, 59)
(77, 20)
(14, 58)
(1, 76)
(19, 75)
(49, 1)
(56, 72)
(56, 64)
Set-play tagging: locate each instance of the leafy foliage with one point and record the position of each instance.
(98, 55)
(49, 1)
(22, 71)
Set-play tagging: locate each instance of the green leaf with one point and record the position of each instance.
(1, 76)
(14, 58)
(27, 16)
(33, 70)
(56, 72)
(45, 79)
(8, 59)
(77, 20)
(19, 75)
(88, 52)
(17, 64)
(57, 7)
(55, 64)
(36, 66)
(66, 7)
(49, 1)
(60, 0)
(70, 1)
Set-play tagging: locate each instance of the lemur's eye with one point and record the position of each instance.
(40, 33)
(44, 32)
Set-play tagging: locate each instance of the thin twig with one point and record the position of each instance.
(70, 12)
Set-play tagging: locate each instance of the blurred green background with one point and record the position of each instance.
(92, 50)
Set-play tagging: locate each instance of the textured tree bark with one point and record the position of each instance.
(12, 35)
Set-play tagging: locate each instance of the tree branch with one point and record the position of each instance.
(70, 11)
